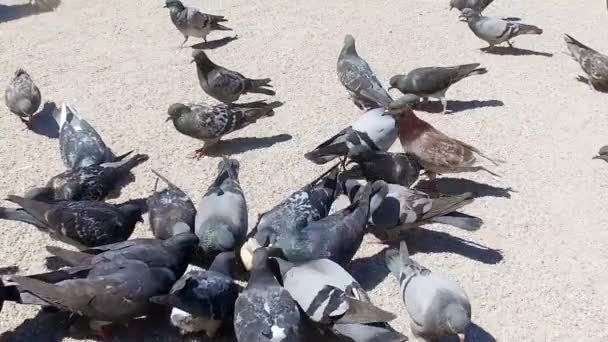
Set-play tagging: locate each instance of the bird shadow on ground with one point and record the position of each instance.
(369, 271)
(455, 106)
(459, 186)
(512, 19)
(9, 270)
(14, 12)
(214, 44)
(513, 51)
(585, 80)
(240, 145)
(43, 122)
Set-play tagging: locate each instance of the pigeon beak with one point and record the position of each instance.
(192, 61)
(168, 119)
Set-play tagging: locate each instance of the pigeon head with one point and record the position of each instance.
(231, 164)
(21, 72)
(349, 46)
(182, 246)
(468, 13)
(174, 4)
(176, 110)
(132, 211)
(456, 318)
(397, 82)
(222, 262)
(402, 105)
(200, 57)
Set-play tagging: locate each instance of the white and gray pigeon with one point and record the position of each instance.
(360, 81)
(434, 81)
(79, 143)
(203, 300)
(210, 123)
(495, 30)
(437, 305)
(226, 85)
(593, 63)
(22, 96)
(193, 23)
(221, 217)
(478, 5)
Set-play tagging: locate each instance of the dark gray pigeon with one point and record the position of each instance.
(593, 63)
(171, 211)
(211, 123)
(89, 183)
(203, 300)
(478, 5)
(80, 223)
(437, 306)
(226, 85)
(602, 154)
(79, 143)
(221, 217)
(434, 81)
(396, 168)
(193, 23)
(309, 204)
(495, 30)
(359, 79)
(22, 97)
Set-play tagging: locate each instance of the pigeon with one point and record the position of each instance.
(437, 306)
(477, 5)
(23, 97)
(221, 218)
(89, 183)
(602, 154)
(494, 30)
(396, 168)
(434, 81)
(203, 300)
(436, 152)
(226, 85)
(79, 223)
(373, 131)
(8, 293)
(210, 123)
(359, 79)
(171, 211)
(408, 208)
(309, 204)
(192, 22)
(79, 143)
(593, 63)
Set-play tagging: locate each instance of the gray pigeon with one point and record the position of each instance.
(89, 183)
(602, 154)
(203, 300)
(437, 306)
(309, 204)
(478, 5)
(396, 168)
(494, 30)
(226, 85)
(359, 79)
(210, 123)
(171, 211)
(593, 63)
(79, 143)
(434, 81)
(82, 224)
(22, 97)
(221, 218)
(192, 22)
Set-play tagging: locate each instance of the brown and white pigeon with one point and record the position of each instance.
(22, 96)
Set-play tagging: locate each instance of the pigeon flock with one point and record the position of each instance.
(295, 258)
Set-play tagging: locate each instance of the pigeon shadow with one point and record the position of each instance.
(214, 44)
(512, 19)
(369, 271)
(601, 89)
(14, 12)
(43, 122)
(45, 326)
(240, 145)
(513, 51)
(456, 106)
(459, 186)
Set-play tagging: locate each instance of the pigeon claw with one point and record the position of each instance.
(200, 153)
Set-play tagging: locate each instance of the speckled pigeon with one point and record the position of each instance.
(593, 63)
(22, 96)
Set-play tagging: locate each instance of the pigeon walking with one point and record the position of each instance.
(494, 30)
(210, 123)
(171, 211)
(434, 81)
(593, 63)
(477, 5)
(23, 97)
(193, 23)
(226, 85)
(359, 79)
(221, 218)
(437, 306)
(394, 168)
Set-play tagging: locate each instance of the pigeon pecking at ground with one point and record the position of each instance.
(434, 81)
(477, 5)
(602, 154)
(395, 168)
(193, 23)
(360, 81)
(593, 63)
(494, 30)
(23, 97)
(210, 123)
(171, 211)
(437, 306)
(226, 85)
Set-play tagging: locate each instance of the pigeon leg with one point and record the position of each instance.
(510, 44)
(198, 154)
(185, 40)
(28, 123)
(590, 83)
(444, 104)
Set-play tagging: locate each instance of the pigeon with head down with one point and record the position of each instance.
(22, 96)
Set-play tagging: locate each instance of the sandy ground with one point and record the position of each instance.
(534, 272)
